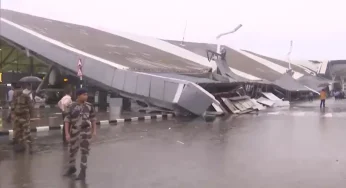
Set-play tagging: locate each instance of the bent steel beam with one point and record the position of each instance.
(45, 80)
(223, 71)
(165, 92)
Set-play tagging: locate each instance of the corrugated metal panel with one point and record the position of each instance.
(313, 82)
(193, 79)
(230, 106)
(289, 83)
(240, 106)
(265, 101)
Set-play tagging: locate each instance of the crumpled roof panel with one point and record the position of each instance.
(287, 82)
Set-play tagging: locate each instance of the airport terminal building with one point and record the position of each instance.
(187, 78)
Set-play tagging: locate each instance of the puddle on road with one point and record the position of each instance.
(6, 150)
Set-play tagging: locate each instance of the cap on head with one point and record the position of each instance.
(81, 91)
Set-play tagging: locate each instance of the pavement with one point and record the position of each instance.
(247, 151)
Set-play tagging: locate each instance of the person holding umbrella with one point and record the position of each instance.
(323, 96)
(28, 82)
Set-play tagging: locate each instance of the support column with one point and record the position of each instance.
(31, 65)
(102, 100)
(342, 83)
(81, 82)
(126, 104)
(115, 108)
(254, 91)
(45, 80)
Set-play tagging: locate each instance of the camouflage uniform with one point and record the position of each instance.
(79, 117)
(21, 109)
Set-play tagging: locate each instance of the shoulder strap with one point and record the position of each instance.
(89, 105)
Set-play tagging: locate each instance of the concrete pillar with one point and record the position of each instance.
(126, 104)
(101, 100)
(342, 83)
(115, 108)
(32, 70)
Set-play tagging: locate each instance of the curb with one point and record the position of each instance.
(103, 122)
(36, 107)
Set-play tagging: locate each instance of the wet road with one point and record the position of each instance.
(248, 151)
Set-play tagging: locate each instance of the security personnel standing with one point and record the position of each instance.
(81, 121)
(21, 111)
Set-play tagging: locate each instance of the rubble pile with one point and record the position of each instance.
(270, 100)
(237, 102)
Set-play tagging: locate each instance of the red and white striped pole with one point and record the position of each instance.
(79, 72)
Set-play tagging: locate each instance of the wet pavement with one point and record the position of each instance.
(247, 151)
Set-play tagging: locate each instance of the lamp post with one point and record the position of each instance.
(79, 72)
(223, 34)
(183, 41)
(289, 55)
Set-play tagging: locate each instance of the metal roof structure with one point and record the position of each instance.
(114, 63)
(280, 62)
(119, 50)
(287, 82)
(235, 60)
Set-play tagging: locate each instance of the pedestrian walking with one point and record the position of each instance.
(80, 116)
(9, 101)
(21, 112)
(311, 96)
(323, 96)
(63, 104)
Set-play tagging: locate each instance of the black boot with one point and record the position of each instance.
(12, 142)
(70, 171)
(82, 174)
(31, 150)
(19, 148)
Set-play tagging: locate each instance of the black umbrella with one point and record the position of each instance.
(30, 79)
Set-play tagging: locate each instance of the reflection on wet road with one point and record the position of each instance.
(246, 151)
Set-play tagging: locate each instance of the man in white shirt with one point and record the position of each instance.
(9, 100)
(10, 94)
(28, 91)
(63, 104)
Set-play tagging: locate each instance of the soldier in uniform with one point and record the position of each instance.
(80, 126)
(21, 111)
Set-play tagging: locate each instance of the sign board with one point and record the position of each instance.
(79, 72)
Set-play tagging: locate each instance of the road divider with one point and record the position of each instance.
(101, 123)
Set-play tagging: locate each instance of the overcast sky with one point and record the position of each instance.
(317, 27)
